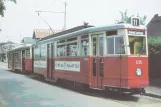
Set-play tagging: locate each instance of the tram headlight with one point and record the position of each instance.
(138, 71)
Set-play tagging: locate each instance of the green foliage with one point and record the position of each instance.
(127, 19)
(2, 6)
(154, 40)
(13, 1)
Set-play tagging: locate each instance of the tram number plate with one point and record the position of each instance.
(139, 62)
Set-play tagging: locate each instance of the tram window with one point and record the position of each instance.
(43, 52)
(61, 41)
(94, 46)
(137, 45)
(18, 55)
(52, 50)
(110, 33)
(61, 50)
(72, 39)
(119, 45)
(101, 46)
(36, 52)
(72, 49)
(27, 53)
(84, 47)
(110, 45)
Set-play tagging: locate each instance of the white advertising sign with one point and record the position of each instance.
(68, 65)
(40, 64)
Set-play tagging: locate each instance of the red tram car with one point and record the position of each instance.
(20, 59)
(111, 57)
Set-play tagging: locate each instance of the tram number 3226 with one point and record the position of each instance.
(139, 62)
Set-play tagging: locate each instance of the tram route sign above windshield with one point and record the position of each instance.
(136, 32)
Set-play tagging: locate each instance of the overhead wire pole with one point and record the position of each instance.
(39, 11)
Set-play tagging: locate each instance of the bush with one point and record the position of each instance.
(154, 46)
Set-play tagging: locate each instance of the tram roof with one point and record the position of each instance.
(92, 29)
(19, 48)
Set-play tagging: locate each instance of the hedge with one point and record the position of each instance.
(154, 46)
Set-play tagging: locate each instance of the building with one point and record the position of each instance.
(28, 40)
(154, 26)
(41, 33)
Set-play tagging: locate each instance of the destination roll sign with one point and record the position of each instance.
(136, 32)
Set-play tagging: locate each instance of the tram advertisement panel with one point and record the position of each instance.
(68, 65)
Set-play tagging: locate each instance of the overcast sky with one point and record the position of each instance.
(21, 19)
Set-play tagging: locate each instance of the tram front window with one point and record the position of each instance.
(137, 45)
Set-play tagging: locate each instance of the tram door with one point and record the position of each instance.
(13, 60)
(97, 66)
(48, 60)
(23, 60)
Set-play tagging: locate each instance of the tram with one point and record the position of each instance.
(110, 57)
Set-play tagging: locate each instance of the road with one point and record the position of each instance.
(21, 91)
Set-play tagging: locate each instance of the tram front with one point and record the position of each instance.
(137, 59)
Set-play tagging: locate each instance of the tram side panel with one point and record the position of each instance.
(115, 72)
(138, 72)
(28, 65)
(74, 69)
(28, 61)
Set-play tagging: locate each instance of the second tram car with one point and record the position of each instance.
(20, 59)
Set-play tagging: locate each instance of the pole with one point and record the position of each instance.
(65, 16)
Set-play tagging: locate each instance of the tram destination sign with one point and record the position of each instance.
(136, 32)
(68, 65)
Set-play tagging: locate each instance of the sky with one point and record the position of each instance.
(20, 19)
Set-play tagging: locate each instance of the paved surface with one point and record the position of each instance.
(20, 91)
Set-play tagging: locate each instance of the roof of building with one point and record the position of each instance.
(28, 40)
(154, 26)
(41, 33)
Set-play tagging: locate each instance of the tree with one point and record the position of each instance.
(2, 6)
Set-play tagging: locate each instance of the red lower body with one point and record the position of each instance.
(117, 72)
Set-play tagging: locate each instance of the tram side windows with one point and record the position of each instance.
(43, 51)
(94, 46)
(119, 45)
(61, 48)
(52, 50)
(37, 52)
(115, 43)
(110, 45)
(27, 53)
(101, 46)
(110, 41)
(17, 56)
(84, 45)
(72, 46)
